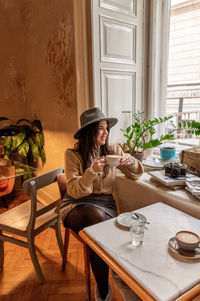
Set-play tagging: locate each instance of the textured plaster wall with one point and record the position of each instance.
(38, 70)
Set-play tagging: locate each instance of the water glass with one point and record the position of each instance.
(137, 233)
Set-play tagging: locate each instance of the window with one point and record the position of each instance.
(183, 86)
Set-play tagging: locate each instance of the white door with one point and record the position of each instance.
(118, 47)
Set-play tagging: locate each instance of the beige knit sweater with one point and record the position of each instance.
(80, 184)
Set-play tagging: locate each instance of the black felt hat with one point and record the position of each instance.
(91, 116)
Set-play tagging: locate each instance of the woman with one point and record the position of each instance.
(89, 184)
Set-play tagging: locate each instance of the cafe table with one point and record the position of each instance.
(151, 270)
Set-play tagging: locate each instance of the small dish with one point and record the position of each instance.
(126, 219)
(187, 240)
(180, 254)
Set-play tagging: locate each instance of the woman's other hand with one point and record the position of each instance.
(127, 159)
(99, 164)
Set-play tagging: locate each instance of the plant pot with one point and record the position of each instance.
(148, 153)
(138, 156)
(7, 175)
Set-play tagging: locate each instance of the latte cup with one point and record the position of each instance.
(113, 160)
(187, 240)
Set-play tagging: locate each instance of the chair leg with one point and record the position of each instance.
(59, 237)
(87, 270)
(66, 244)
(31, 247)
(1, 252)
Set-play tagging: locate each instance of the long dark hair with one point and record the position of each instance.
(87, 145)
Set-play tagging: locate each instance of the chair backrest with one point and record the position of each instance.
(42, 180)
(61, 179)
(32, 185)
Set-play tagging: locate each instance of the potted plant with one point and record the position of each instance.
(190, 126)
(139, 135)
(23, 141)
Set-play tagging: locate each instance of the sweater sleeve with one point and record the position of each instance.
(133, 171)
(79, 184)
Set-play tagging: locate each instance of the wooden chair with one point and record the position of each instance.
(62, 187)
(30, 219)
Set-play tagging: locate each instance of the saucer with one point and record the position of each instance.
(187, 256)
(126, 220)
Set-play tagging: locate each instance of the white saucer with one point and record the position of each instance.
(154, 163)
(126, 219)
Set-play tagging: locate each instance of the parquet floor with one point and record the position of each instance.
(18, 280)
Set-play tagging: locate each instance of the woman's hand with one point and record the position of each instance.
(127, 159)
(99, 164)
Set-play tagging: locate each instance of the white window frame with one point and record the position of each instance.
(158, 63)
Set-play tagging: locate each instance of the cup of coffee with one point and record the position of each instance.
(113, 160)
(187, 240)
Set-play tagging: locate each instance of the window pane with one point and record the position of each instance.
(183, 91)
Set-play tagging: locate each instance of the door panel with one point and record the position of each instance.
(118, 93)
(118, 47)
(127, 7)
(118, 41)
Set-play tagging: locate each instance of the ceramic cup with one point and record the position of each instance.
(187, 240)
(167, 152)
(113, 160)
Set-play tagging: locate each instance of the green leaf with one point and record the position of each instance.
(4, 118)
(22, 120)
(30, 141)
(10, 131)
(197, 132)
(39, 139)
(37, 124)
(168, 137)
(7, 142)
(43, 155)
(179, 124)
(23, 149)
(27, 173)
(128, 129)
(28, 130)
(35, 151)
(17, 140)
(7, 154)
(152, 131)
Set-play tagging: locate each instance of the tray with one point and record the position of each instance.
(187, 256)
(125, 220)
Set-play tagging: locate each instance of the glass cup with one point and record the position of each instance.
(137, 233)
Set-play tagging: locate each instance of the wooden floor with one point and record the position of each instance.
(18, 280)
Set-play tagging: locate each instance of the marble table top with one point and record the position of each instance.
(150, 264)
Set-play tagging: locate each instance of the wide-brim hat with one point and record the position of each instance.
(91, 116)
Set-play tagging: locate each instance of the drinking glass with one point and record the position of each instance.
(137, 233)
